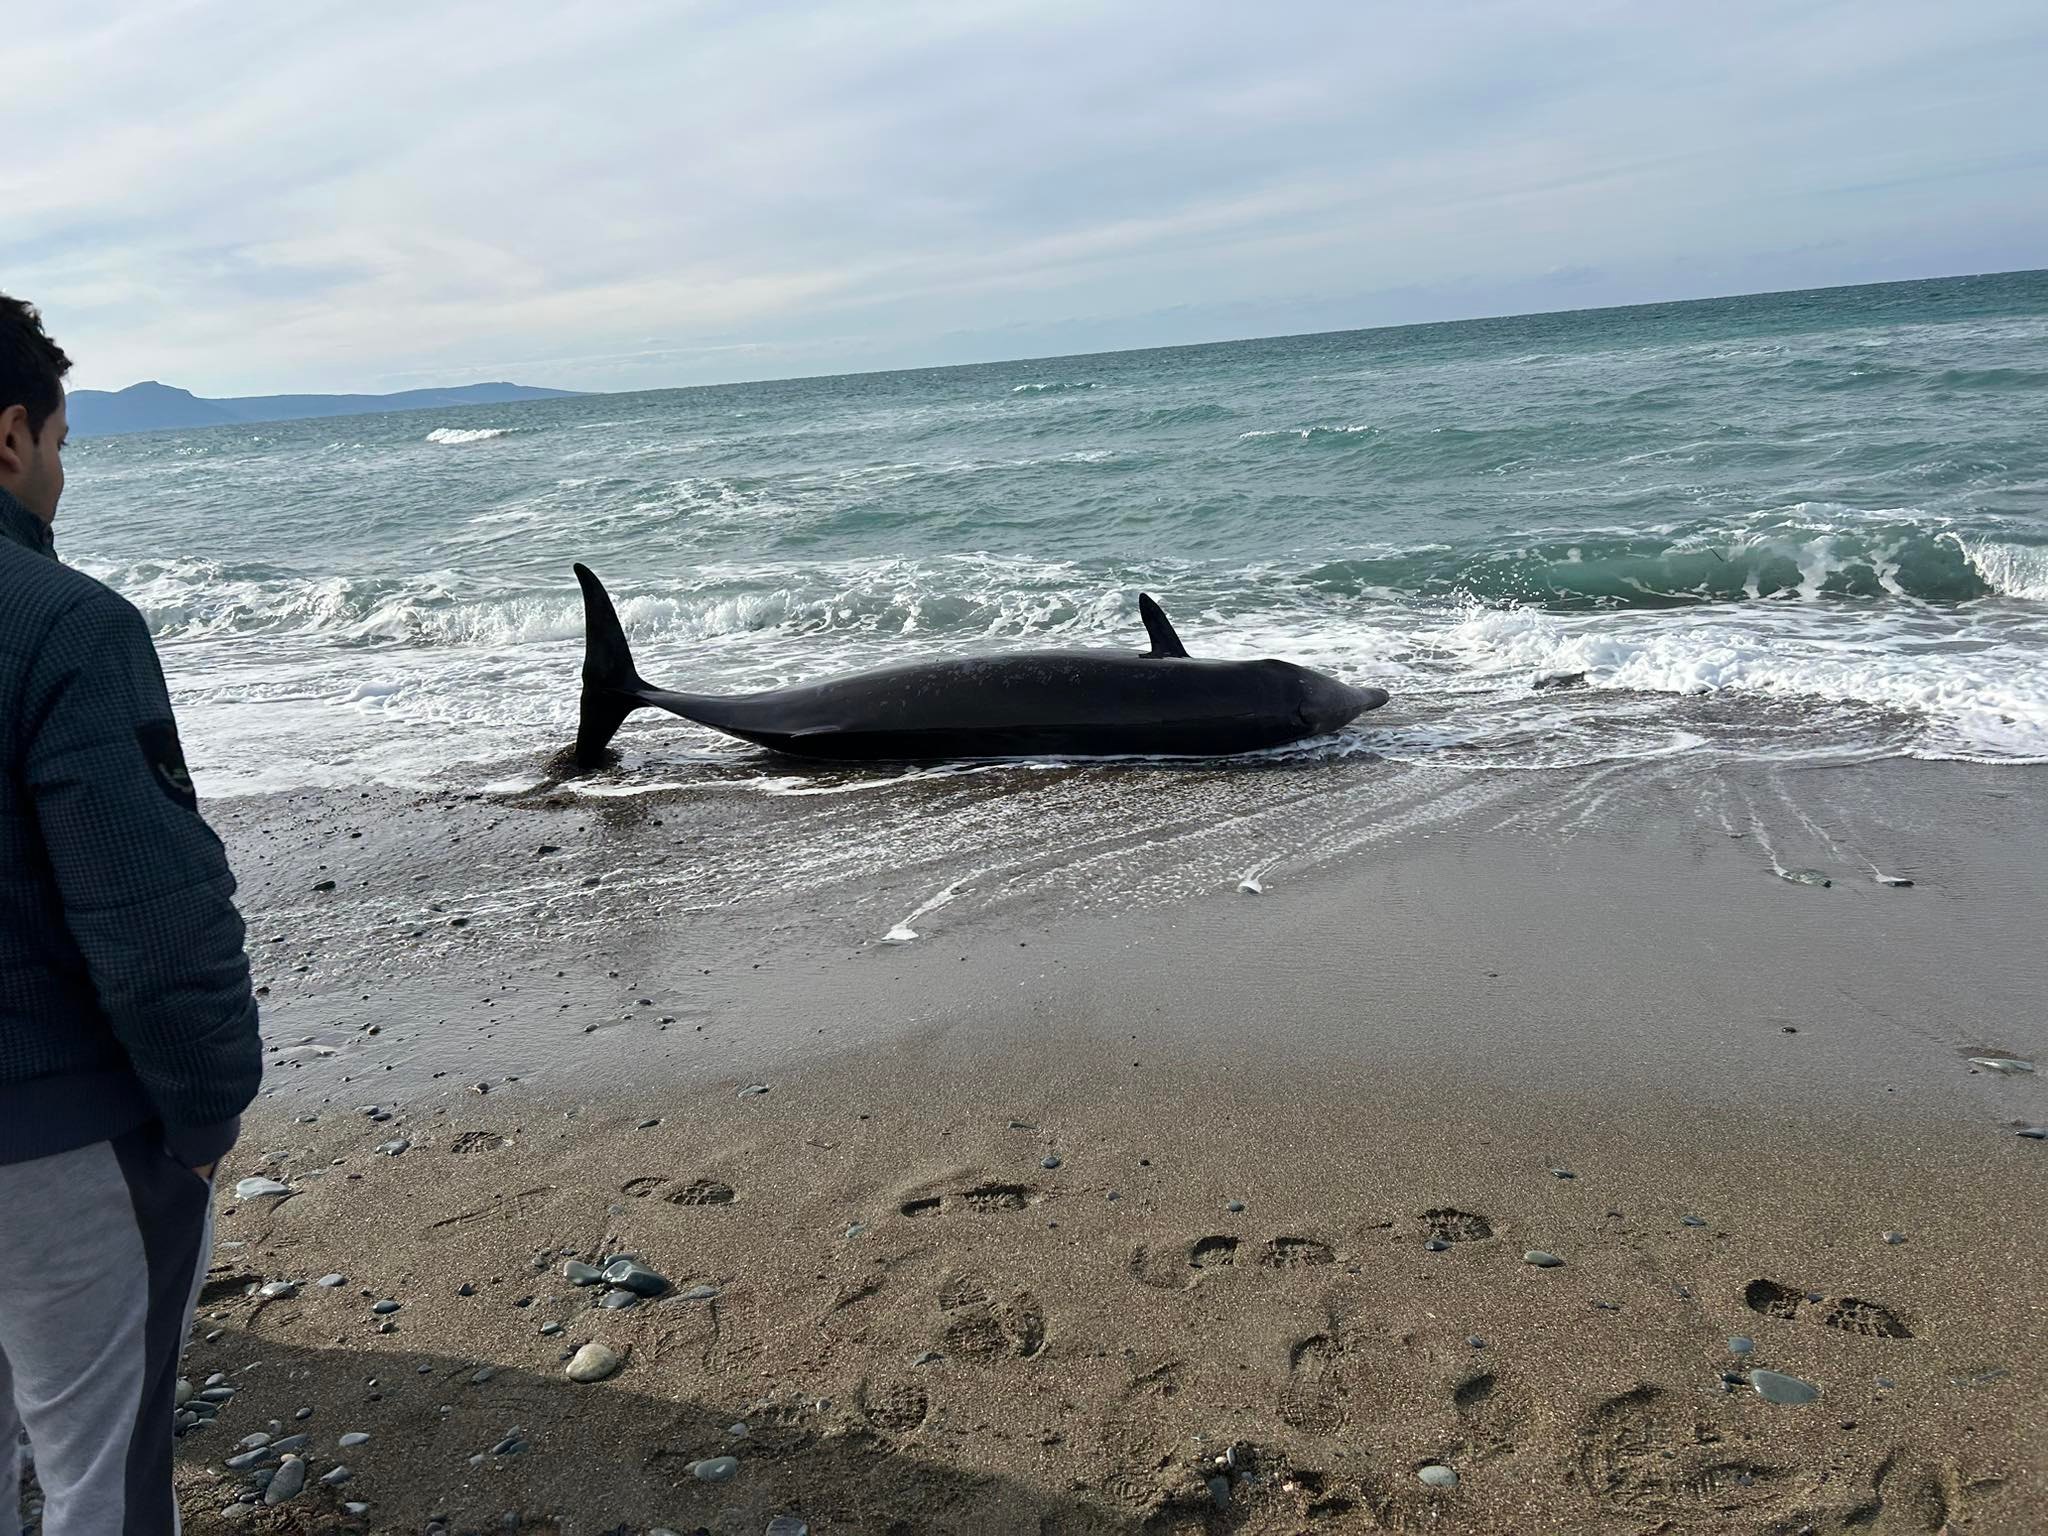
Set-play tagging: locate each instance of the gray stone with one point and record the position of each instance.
(1438, 1476)
(1775, 1387)
(244, 1460)
(1741, 1346)
(1562, 1173)
(331, 1281)
(716, 1469)
(576, 1272)
(278, 1290)
(217, 1395)
(2006, 1065)
(549, 1330)
(1542, 1260)
(259, 1187)
(2033, 1132)
(352, 1439)
(1805, 877)
(290, 1443)
(753, 1089)
(1894, 1238)
(251, 1442)
(630, 1276)
(1475, 1342)
(618, 1301)
(334, 1477)
(384, 1308)
(787, 1525)
(482, 1374)
(594, 1362)
(393, 1147)
(355, 1507)
(1219, 1491)
(303, 1414)
(184, 1392)
(1049, 1161)
(289, 1482)
(1234, 1206)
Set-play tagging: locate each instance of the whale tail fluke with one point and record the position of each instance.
(612, 687)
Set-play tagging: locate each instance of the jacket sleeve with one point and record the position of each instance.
(147, 892)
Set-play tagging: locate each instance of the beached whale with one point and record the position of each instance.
(1014, 704)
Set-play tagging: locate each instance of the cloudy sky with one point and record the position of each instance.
(373, 195)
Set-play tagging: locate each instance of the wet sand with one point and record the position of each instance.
(975, 1256)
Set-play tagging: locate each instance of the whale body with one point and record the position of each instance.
(1054, 703)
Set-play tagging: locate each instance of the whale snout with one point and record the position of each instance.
(1328, 705)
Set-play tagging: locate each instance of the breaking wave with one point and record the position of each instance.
(466, 434)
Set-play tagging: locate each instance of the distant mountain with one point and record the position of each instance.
(154, 407)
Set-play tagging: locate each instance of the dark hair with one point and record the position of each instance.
(32, 367)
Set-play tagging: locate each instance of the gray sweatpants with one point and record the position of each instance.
(102, 1252)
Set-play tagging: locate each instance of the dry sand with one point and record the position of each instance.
(1259, 1114)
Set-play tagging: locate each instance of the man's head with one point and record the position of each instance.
(32, 424)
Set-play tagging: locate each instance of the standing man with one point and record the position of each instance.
(128, 1044)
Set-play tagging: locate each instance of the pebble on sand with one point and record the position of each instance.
(352, 1439)
(716, 1469)
(1741, 1346)
(1438, 1476)
(576, 1272)
(289, 1482)
(331, 1281)
(594, 1362)
(2001, 1064)
(637, 1278)
(787, 1525)
(279, 1290)
(1542, 1260)
(258, 1187)
(1776, 1387)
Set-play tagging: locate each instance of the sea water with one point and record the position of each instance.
(1789, 526)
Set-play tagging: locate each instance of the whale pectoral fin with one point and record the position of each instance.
(1159, 628)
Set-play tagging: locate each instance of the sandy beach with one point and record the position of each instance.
(1216, 1212)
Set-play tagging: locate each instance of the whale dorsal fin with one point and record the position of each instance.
(1159, 628)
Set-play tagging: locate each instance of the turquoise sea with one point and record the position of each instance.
(1805, 524)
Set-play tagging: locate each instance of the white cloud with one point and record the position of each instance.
(240, 197)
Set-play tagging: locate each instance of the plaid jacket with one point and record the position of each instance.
(124, 987)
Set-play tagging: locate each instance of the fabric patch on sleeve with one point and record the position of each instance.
(166, 759)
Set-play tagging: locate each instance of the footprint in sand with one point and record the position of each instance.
(1178, 1267)
(1646, 1453)
(1447, 1224)
(1491, 1416)
(984, 1332)
(1847, 1314)
(702, 1192)
(1312, 1400)
(1296, 1253)
(1909, 1494)
(958, 1291)
(985, 1199)
(895, 1407)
